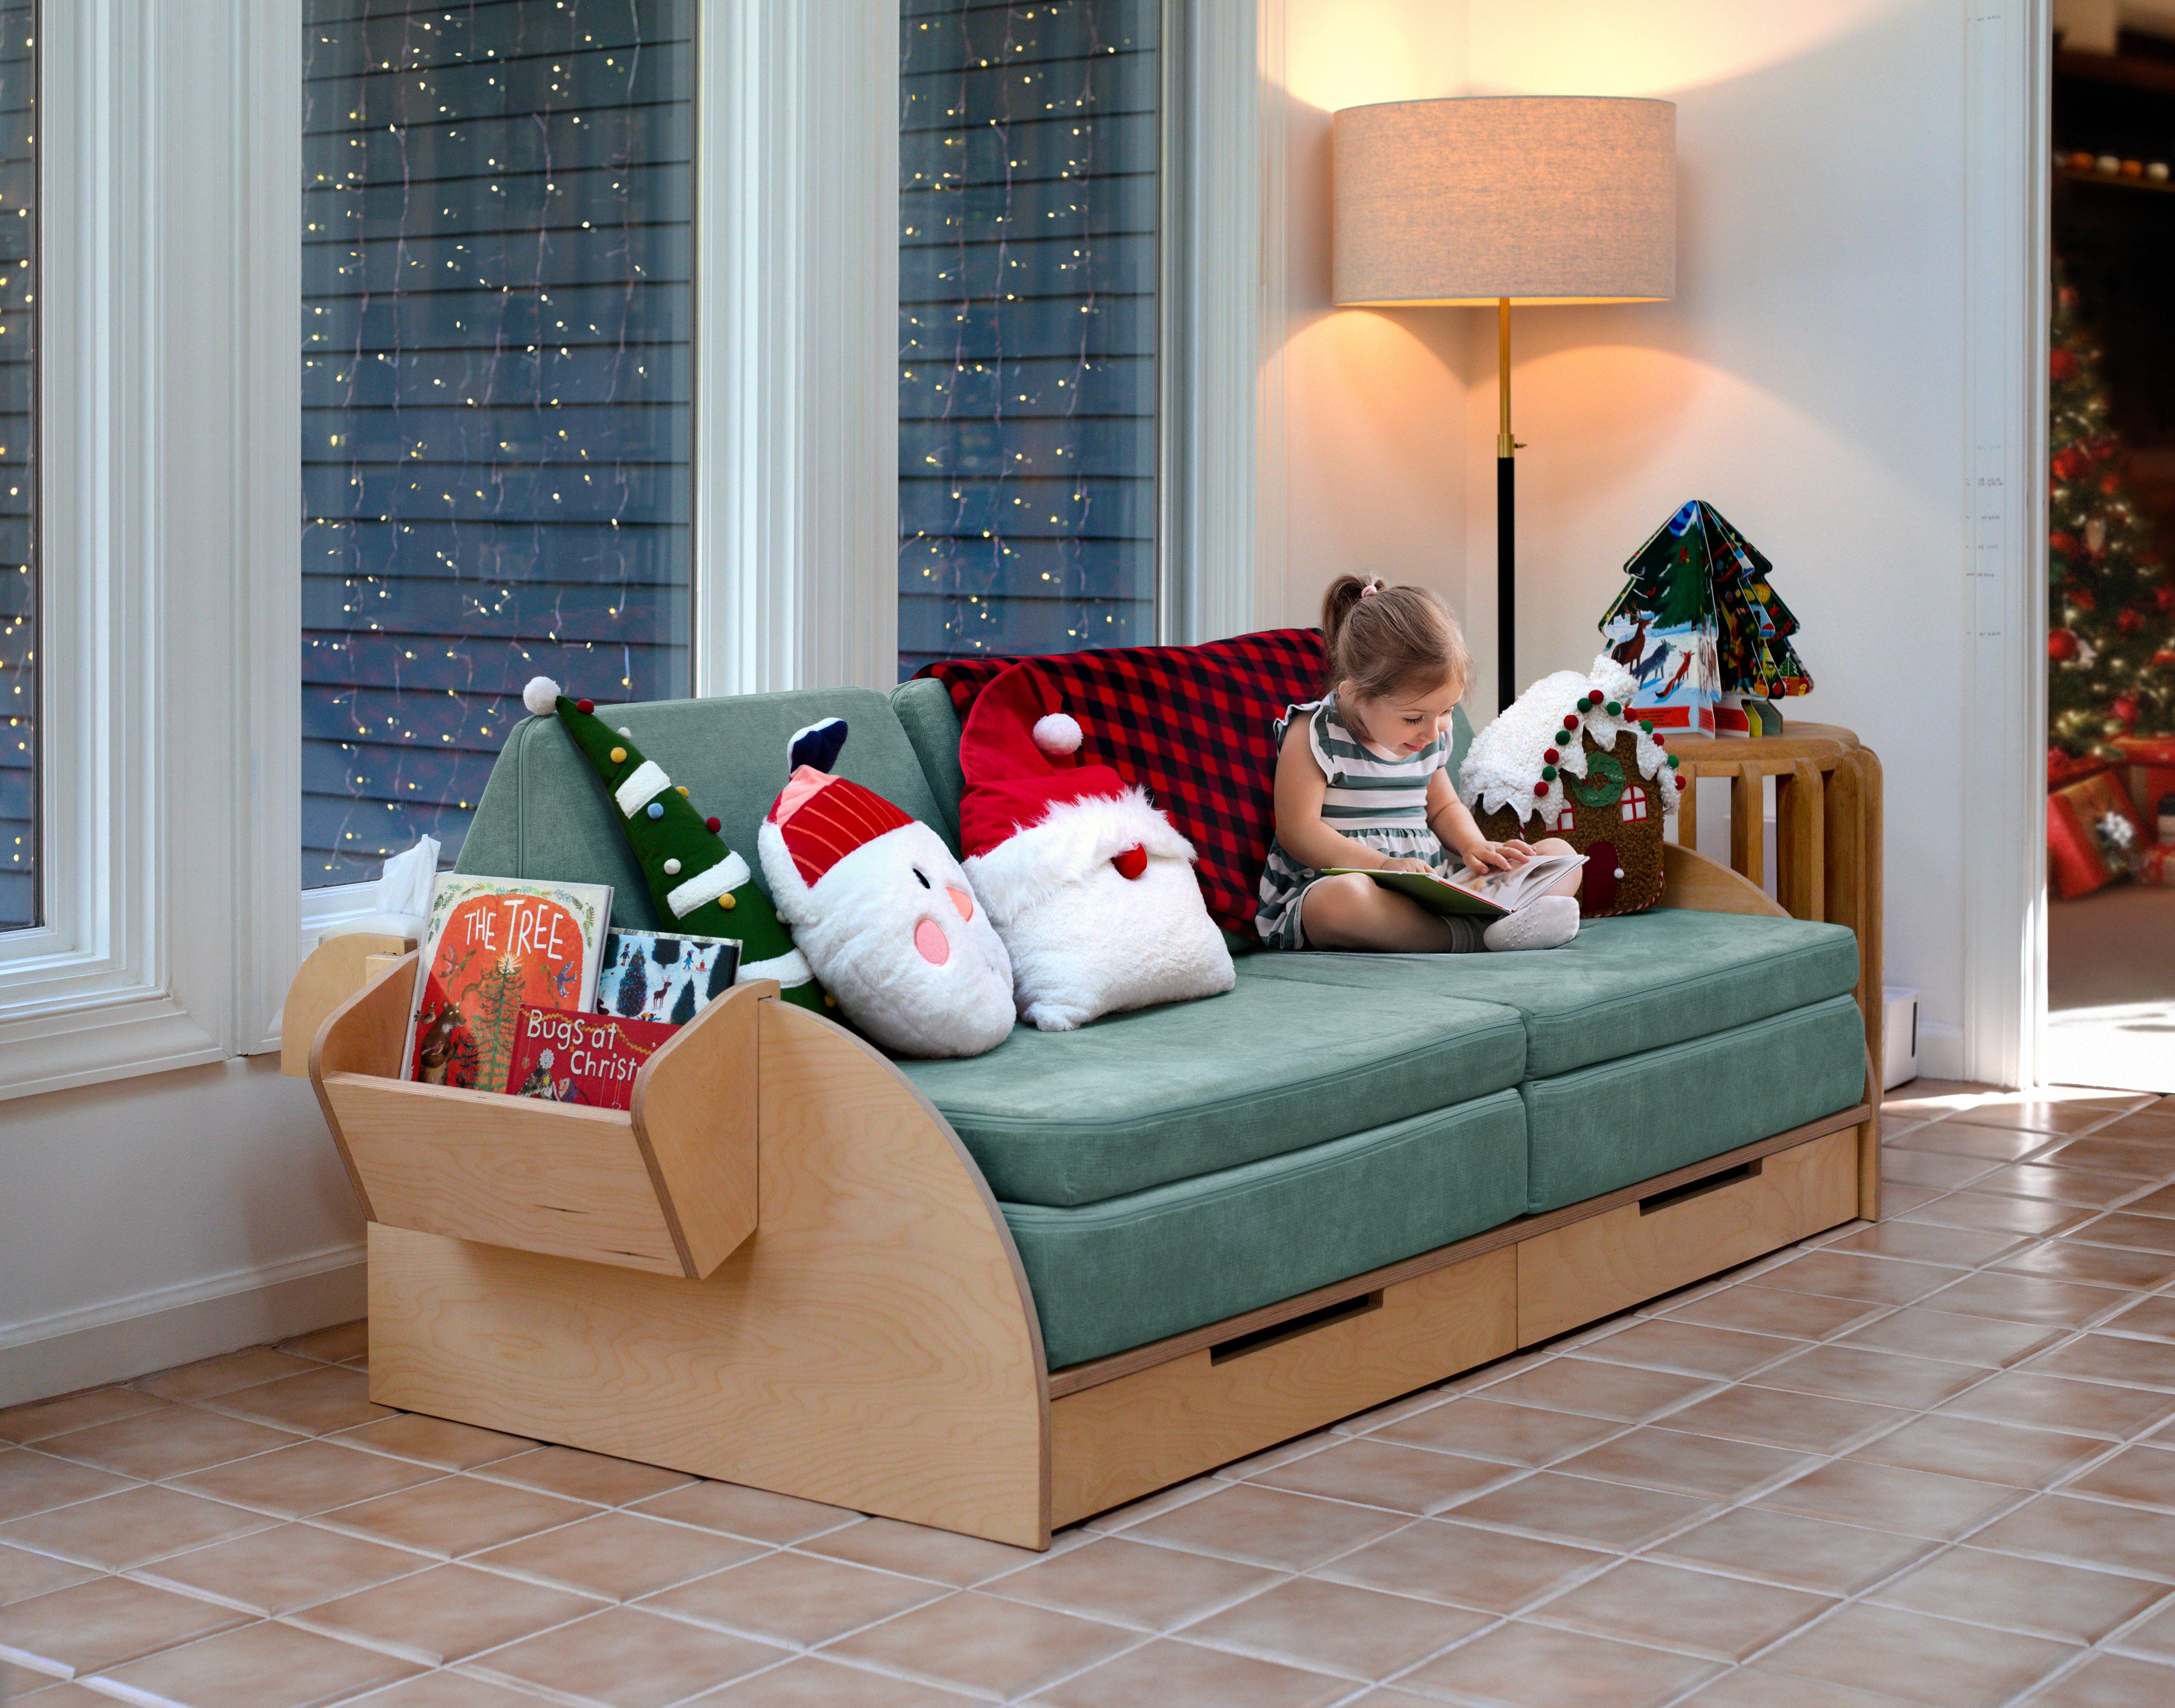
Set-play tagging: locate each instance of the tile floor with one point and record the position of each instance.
(1932, 1462)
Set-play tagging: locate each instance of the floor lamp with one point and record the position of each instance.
(1506, 199)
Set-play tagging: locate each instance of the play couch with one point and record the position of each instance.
(1000, 1295)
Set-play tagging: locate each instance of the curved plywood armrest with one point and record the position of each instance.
(1690, 879)
(335, 970)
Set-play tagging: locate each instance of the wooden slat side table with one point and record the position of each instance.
(1827, 831)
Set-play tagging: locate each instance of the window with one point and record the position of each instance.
(498, 210)
(20, 722)
(1566, 816)
(1635, 802)
(1029, 173)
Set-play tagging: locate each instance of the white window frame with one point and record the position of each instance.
(161, 589)
(171, 169)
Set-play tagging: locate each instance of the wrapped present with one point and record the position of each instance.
(2092, 834)
(2151, 775)
(2067, 767)
(2156, 865)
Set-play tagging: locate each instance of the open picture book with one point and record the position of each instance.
(1482, 895)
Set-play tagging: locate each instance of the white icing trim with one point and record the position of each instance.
(790, 969)
(643, 784)
(706, 885)
(1504, 762)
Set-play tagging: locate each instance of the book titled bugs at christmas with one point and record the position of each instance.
(1483, 895)
(649, 975)
(586, 1058)
(491, 946)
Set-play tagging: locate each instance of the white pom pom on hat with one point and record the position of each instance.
(541, 695)
(1057, 733)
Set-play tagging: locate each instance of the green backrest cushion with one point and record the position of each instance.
(545, 813)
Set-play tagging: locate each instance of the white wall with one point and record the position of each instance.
(1808, 378)
(156, 1220)
(1369, 427)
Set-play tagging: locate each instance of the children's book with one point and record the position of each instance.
(649, 975)
(1483, 895)
(491, 945)
(587, 1059)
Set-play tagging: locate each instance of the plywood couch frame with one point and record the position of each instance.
(781, 1267)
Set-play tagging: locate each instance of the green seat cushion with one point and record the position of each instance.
(1163, 1094)
(545, 813)
(1598, 1128)
(1622, 985)
(1134, 1269)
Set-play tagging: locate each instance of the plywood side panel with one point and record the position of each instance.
(694, 1113)
(1123, 1439)
(872, 1345)
(543, 1177)
(1690, 879)
(1593, 1268)
(336, 969)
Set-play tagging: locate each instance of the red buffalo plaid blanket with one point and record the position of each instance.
(1192, 725)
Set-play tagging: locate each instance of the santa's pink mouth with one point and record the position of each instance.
(929, 939)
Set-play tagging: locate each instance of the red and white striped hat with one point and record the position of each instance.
(822, 819)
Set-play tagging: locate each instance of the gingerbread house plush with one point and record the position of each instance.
(1569, 759)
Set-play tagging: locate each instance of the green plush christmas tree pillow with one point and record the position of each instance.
(701, 886)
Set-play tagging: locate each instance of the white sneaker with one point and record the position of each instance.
(1547, 923)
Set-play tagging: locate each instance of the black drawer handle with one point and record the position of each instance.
(1699, 1188)
(1292, 1328)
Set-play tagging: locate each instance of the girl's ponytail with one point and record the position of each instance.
(1390, 640)
(1343, 594)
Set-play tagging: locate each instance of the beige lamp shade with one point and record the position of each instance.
(1540, 198)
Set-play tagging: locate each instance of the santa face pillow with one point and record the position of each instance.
(885, 917)
(1091, 888)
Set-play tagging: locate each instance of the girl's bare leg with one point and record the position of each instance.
(1351, 912)
(1568, 884)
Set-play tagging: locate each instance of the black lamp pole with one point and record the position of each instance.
(1506, 523)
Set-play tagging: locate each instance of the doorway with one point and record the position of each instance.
(2110, 558)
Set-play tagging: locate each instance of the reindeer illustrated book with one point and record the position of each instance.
(492, 946)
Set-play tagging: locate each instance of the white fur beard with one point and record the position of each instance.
(1086, 941)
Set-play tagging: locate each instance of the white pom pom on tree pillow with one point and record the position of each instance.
(1090, 887)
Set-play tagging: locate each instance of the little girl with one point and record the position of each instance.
(1360, 782)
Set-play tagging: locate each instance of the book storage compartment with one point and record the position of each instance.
(667, 1186)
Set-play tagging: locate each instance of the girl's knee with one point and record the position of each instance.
(1553, 845)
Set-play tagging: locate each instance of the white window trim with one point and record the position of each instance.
(161, 581)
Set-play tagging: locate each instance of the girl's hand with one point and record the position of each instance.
(1406, 866)
(1496, 856)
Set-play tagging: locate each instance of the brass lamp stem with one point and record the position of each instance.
(1505, 444)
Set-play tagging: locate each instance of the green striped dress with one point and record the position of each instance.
(1380, 802)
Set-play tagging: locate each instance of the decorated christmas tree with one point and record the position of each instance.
(1757, 657)
(2111, 618)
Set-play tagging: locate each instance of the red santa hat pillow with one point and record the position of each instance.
(1091, 888)
(884, 915)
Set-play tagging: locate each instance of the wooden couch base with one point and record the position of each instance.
(781, 1268)
(682, 1374)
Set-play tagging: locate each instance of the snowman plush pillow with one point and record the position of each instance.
(883, 913)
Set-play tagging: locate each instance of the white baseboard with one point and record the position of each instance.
(152, 1330)
(1940, 1049)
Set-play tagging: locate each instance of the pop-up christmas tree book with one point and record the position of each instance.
(1702, 631)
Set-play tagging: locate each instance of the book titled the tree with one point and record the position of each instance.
(492, 946)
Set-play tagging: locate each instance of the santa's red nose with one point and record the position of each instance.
(1132, 862)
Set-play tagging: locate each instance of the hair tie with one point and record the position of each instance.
(1369, 592)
